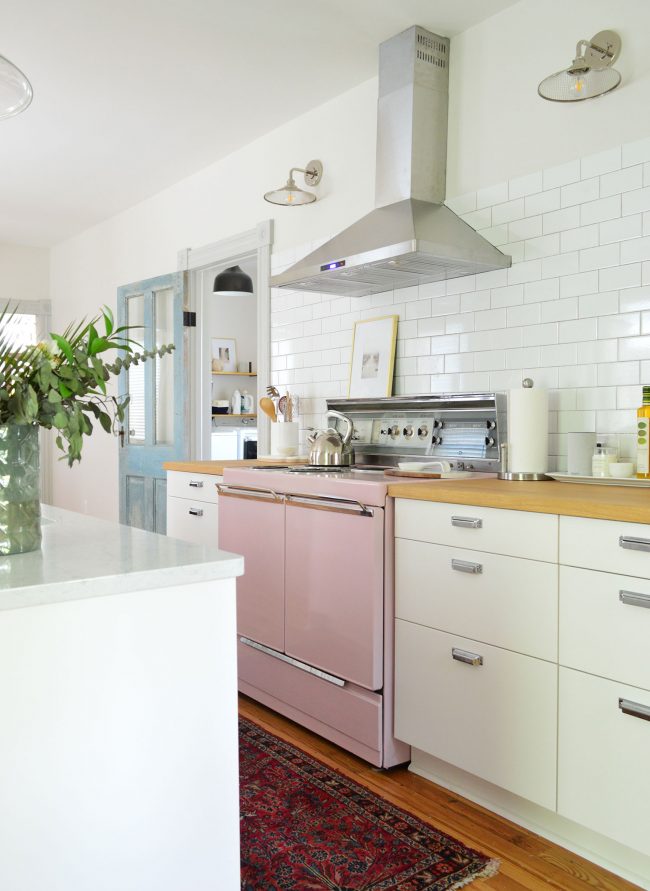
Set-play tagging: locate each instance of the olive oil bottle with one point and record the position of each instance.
(643, 437)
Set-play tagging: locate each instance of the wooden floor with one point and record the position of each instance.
(527, 860)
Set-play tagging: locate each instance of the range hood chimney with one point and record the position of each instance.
(411, 238)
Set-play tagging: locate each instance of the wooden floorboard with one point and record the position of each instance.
(528, 861)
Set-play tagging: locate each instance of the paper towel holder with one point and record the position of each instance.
(504, 473)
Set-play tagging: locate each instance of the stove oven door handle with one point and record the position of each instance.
(250, 492)
(325, 502)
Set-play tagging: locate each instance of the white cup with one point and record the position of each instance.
(284, 439)
(579, 453)
(621, 469)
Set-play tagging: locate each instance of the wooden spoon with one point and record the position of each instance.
(268, 408)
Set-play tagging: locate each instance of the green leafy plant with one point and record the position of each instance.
(63, 386)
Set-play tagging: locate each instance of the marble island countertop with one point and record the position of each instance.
(83, 557)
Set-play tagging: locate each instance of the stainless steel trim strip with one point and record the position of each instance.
(467, 522)
(634, 709)
(248, 492)
(323, 675)
(466, 566)
(196, 484)
(634, 544)
(466, 657)
(342, 505)
(634, 599)
(195, 512)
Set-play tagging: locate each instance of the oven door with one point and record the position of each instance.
(334, 587)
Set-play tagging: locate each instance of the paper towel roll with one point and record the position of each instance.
(528, 430)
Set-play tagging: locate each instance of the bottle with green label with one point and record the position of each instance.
(642, 437)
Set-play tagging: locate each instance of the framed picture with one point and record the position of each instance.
(373, 357)
(224, 354)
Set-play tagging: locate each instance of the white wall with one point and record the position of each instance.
(499, 129)
(24, 273)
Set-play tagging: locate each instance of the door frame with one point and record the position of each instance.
(254, 244)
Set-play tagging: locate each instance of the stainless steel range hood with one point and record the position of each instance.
(411, 238)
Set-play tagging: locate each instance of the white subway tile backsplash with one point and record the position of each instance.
(600, 257)
(621, 181)
(573, 311)
(492, 195)
(560, 310)
(620, 277)
(505, 213)
(580, 192)
(525, 185)
(621, 229)
(634, 348)
(602, 162)
(603, 209)
(625, 325)
(561, 175)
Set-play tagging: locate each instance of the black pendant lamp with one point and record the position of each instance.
(233, 282)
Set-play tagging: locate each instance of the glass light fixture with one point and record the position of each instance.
(290, 194)
(590, 73)
(15, 90)
(233, 282)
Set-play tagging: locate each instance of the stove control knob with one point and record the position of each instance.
(408, 431)
(489, 440)
(383, 432)
(436, 440)
(438, 425)
(491, 425)
(394, 431)
(423, 432)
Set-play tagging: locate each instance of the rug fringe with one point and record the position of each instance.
(491, 868)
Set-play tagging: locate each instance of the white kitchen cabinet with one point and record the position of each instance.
(504, 601)
(496, 719)
(515, 533)
(193, 507)
(608, 545)
(603, 777)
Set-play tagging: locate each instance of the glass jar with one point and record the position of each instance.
(20, 507)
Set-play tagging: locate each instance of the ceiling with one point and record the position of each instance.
(131, 96)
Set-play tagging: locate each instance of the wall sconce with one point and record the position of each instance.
(15, 90)
(290, 194)
(589, 75)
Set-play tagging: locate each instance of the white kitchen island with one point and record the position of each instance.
(118, 712)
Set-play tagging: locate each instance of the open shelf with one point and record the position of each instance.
(235, 373)
(231, 415)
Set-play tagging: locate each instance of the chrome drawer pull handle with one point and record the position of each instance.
(634, 599)
(467, 522)
(634, 544)
(195, 512)
(466, 657)
(466, 566)
(635, 709)
(196, 484)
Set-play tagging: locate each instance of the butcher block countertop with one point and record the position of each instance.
(547, 497)
(216, 467)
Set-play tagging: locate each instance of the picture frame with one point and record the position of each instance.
(373, 357)
(224, 355)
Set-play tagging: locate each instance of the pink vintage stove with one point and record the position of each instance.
(315, 612)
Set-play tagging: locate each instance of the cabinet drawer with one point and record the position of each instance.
(197, 486)
(510, 603)
(511, 532)
(195, 521)
(614, 610)
(497, 720)
(603, 776)
(606, 544)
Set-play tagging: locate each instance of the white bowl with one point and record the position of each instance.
(621, 469)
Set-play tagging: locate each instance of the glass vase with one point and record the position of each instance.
(20, 507)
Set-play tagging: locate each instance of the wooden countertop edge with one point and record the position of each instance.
(217, 467)
(567, 499)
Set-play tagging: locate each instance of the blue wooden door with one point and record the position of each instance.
(157, 424)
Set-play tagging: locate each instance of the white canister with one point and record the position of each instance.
(284, 439)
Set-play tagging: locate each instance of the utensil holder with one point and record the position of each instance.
(284, 439)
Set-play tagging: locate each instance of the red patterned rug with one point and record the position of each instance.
(307, 827)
